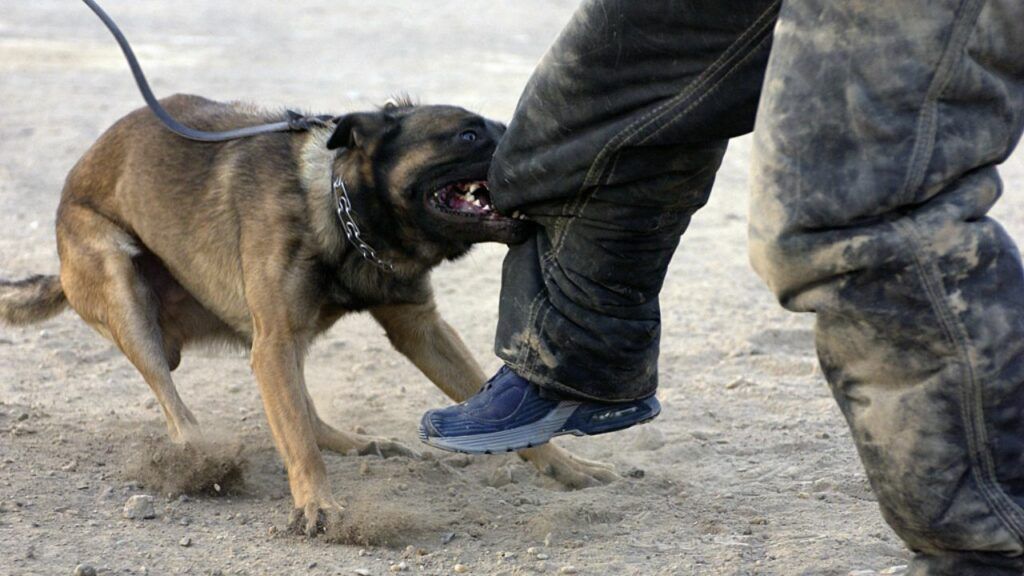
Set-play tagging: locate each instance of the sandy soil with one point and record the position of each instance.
(750, 470)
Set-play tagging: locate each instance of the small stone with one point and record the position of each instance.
(84, 570)
(822, 485)
(567, 569)
(460, 568)
(542, 556)
(23, 416)
(894, 570)
(364, 468)
(311, 565)
(185, 542)
(139, 507)
(740, 382)
(548, 539)
(400, 567)
(532, 550)
(362, 552)
(448, 537)
(361, 572)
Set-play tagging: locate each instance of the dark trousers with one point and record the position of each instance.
(877, 138)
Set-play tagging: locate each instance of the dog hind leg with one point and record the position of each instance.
(103, 285)
(330, 438)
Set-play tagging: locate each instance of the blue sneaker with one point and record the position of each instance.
(510, 413)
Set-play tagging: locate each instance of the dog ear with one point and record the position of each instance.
(358, 129)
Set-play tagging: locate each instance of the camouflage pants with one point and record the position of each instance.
(876, 143)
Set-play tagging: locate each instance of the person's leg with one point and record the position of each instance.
(878, 133)
(613, 146)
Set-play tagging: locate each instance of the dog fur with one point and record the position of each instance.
(165, 243)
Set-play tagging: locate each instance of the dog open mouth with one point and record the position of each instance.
(463, 212)
(470, 198)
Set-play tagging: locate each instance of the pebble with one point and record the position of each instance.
(739, 383)
(532, 550)
(84, 570)
(636, 473)
(823, 485)
(542, 556)
(361, 572)
(894, 570)
(548, 539)
(567, 569)
(185, 542)
(400, 567)
(139, 507)
(460, 568)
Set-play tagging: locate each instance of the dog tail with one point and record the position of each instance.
(31, 300)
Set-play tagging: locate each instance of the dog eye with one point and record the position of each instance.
(468, 135)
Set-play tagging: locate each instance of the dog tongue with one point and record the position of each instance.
(471, 198)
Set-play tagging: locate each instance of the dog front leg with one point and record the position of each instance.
(277, 364)
(419, 332)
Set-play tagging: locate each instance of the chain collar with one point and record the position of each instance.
(343, 205)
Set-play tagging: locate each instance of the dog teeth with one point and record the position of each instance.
(470, 197)
(474, 187)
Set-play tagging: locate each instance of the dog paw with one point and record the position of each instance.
(358, 443)
(570, 471)
(317, 517)
(385, 448)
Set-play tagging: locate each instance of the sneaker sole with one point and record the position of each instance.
(534, 434)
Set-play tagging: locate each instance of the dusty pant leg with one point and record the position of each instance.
(613, 146)
(877, 140)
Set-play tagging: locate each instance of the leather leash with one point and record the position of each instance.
(294, 123)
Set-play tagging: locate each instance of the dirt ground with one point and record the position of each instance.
(750, 469)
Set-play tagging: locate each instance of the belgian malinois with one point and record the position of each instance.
(164, 242)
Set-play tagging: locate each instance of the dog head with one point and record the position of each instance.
(418, 175)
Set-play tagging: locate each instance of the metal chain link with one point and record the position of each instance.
(348, 223)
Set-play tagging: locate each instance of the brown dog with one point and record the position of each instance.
(165, 242)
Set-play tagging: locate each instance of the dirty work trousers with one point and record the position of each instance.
(878, 133)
